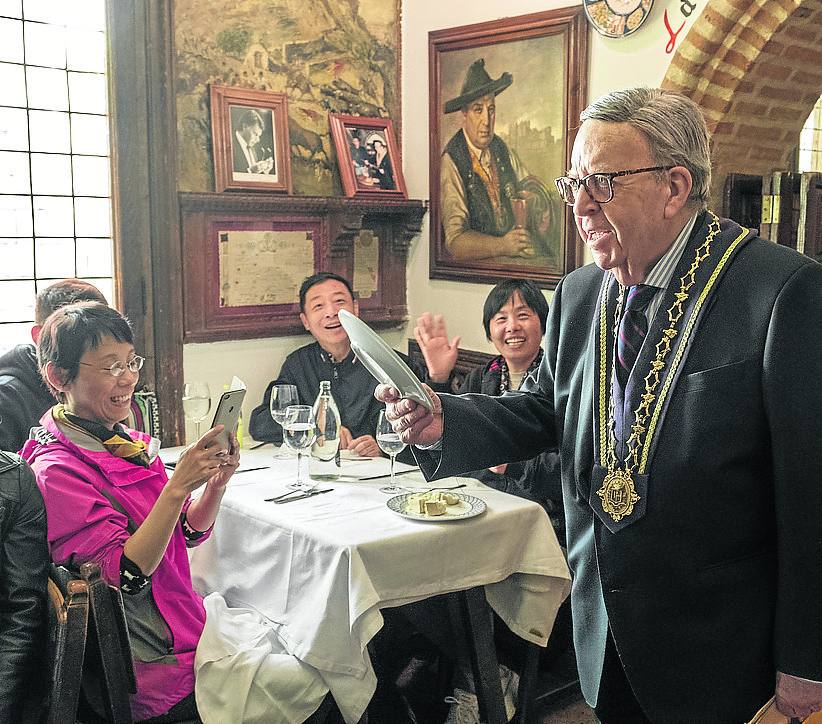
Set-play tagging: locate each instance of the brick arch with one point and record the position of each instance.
(755, 69)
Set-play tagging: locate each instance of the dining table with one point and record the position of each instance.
(321, 569)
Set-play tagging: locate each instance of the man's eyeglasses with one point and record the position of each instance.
(117, 369)
(599, 186)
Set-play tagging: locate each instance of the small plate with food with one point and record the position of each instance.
(436, 506)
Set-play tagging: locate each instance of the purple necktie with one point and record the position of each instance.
(632, 329)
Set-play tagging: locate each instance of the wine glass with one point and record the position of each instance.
(282, 396)
(196, 403)
(299, 431)
(390, 443)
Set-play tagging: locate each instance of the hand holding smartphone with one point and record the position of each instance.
(228, 415)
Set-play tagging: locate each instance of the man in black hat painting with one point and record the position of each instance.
(479, 174)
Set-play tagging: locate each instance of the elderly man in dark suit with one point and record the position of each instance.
(681, 381)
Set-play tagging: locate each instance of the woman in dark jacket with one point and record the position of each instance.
(24, 563)
(514, 317)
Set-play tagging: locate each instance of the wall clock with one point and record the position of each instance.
(617, 18)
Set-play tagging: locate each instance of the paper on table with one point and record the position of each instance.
(370, 468)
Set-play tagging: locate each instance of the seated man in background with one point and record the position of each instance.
(23, 395)
(24, 562)
(330, 357)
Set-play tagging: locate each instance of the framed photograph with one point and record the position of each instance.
(368, 156)
(505, 99)
(249, 135)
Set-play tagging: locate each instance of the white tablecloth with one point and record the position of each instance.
(320, 569)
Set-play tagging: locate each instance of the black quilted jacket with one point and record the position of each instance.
(24, 561)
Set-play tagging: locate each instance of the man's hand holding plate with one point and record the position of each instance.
(414, 423)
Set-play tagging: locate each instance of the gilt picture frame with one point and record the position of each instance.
(492, 178)
(249, 135)
(368, 156)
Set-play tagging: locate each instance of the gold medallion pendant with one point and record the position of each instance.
(618, 494)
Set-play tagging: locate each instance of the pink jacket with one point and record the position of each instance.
(84, 526)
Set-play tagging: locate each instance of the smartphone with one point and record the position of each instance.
(228, 414)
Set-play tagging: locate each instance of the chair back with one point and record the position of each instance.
(112, 652)
(68, 619)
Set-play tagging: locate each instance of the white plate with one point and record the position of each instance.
(468, 507)
(382, 361)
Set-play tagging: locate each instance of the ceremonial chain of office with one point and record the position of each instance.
(618, 490)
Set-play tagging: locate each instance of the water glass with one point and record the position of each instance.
(196, 403)
(299, 431)
(282, 397)
(390, 443)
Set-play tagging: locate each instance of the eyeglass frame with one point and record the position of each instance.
(610, 175)
(135, 364)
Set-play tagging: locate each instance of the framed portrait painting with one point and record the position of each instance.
(505, 99)
(368, 156)
(249, 134)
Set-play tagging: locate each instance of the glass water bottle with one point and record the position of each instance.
(325, 452)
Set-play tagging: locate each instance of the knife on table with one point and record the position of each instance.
(309, 494)
(381, 475)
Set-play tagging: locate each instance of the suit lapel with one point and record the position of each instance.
(701, 284)
(656, 371)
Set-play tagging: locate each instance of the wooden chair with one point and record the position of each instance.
(68, 619)
(109, 679)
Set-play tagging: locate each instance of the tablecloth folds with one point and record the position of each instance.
(319, 571)
(244, 675)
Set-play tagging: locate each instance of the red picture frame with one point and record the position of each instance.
(249, 135)
(368, 156)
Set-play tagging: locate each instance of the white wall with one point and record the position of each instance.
(637, 60)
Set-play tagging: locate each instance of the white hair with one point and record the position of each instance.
(673, 125)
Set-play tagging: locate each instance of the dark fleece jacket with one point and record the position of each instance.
(23, 396)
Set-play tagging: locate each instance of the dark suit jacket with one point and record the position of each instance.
(717, 583)
(240, 162)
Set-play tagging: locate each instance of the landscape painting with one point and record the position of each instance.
(326, 56)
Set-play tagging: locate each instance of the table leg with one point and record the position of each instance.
(527, 680)
(476, 616)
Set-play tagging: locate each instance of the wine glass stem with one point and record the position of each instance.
(299, 468)
(197, 429)
(392, 470)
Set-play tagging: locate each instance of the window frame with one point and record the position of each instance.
(145, 225)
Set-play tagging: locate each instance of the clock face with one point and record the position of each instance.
(617, 18)
(623, 7)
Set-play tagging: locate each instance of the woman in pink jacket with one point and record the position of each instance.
(109, 500)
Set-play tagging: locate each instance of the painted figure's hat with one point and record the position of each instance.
(478, 84)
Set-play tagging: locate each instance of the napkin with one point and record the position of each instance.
(371, 468)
